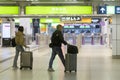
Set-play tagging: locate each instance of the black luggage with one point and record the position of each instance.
(26, 59)
(70, 62)
(13, 43)
(71, 49)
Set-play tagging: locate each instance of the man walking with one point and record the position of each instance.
(57, 39)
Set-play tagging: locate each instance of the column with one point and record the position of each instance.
(12, 28)
(116, 36)
(25, 22)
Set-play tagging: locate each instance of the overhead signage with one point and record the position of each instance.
(102, 10)
(95, 20)
(46, 10)
(49, 20)
(70, 18)
(9, 10)
(117, 9)
(86, 20)
(109, 10)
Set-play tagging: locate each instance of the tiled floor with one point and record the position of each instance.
(93, 63)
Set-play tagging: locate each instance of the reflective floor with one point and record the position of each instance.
(93, 63)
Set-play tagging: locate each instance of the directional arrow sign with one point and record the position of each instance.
(102, 10)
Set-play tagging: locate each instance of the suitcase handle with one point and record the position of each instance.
(27, 49)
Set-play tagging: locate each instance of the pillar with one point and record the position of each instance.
(116, 36)
(25, 22)
(12, 28)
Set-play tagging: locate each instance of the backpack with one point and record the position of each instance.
(13, 42)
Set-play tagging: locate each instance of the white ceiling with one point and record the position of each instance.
(69, 2)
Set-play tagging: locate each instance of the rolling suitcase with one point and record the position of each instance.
(70, 62)
(26, 59)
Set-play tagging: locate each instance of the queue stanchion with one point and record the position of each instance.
(36, 38)
(92, 40)
(74, 39)
(83, 40)
(101, 40)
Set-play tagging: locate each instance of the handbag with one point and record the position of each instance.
(50, 45)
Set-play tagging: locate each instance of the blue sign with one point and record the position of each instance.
(117, 9)
(102, 10)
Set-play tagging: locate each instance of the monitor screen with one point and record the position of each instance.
(97, 26)
(86, 26)
(81, 26)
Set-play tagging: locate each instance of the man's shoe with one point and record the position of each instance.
(51, 69)
(15, 67)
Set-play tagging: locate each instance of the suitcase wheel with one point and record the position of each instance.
(64, 70)
(30, 68)
(20, 68)
(70, 71)
(75, 70)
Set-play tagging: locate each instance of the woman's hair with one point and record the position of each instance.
(21, 29)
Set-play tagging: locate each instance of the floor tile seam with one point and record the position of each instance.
(5, 69)
(12, 56)
(6, 59)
